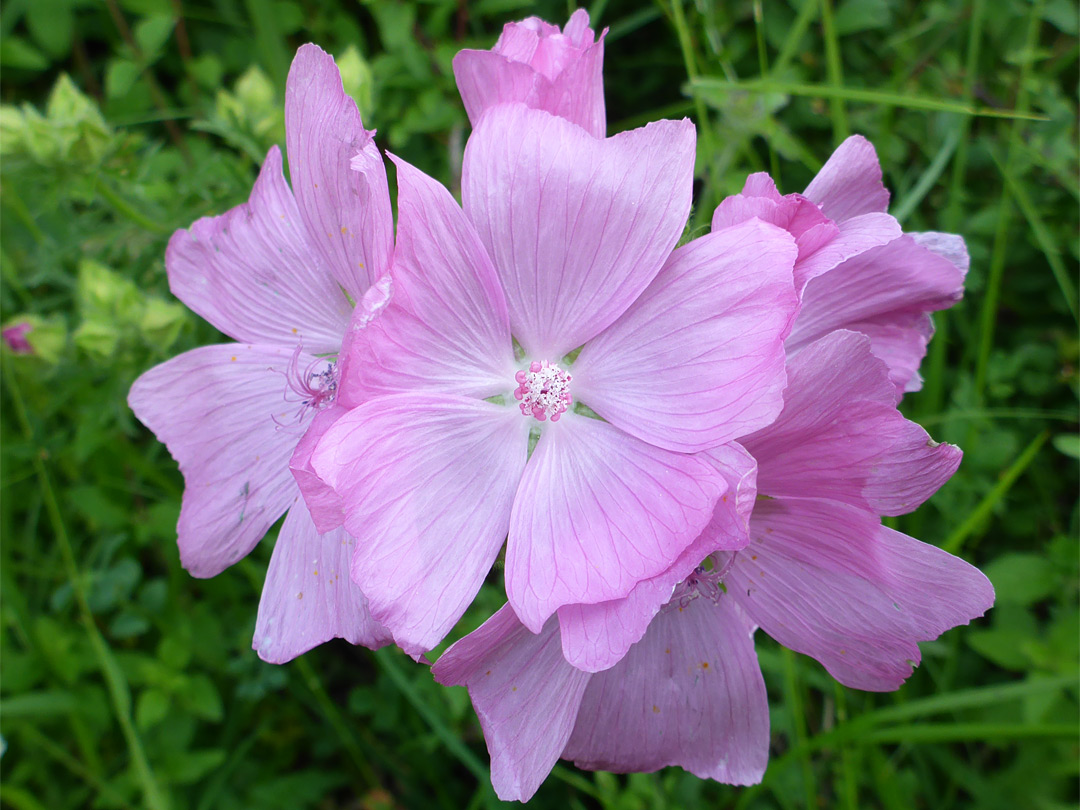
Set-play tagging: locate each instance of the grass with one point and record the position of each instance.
(126, 683)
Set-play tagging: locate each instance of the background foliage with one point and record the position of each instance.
(126, 683)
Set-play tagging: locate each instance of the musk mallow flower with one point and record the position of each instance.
(14, 337)
(278, 274)
(856, 270)
(820, 574)
(565, 250)
(536, 64)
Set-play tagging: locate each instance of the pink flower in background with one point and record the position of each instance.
(538, 65)
(276, 274)
(821, 575)
(855, 269)
(565, 243)
(15, 338)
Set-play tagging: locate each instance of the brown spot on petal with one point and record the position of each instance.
(656, 709)
(300, 595)
(704, 664)
(234, 358)
(344, 230)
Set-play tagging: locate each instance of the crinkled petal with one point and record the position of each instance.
(308, 597)
(901, 344)
(841, 437)
(597, 511)
(215, 409)
(524, 693)
(849, 184)
(698, 359)
(885, 286)
(427, 483)
(596, 637)
(856, 235)
(577, 227)
(446, 328)
(827, 580)
(690, 693)
(250, 271)
(345, 205)
(532, 63)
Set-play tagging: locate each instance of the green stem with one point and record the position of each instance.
(835, 71)
(127, 210)
(119, 693)
(798, 724)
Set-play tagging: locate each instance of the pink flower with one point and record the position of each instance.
(274, 274)
(15, 337)
(565, 242)
(538, 65)
(667, 675)
(855, 269)
(821, 575)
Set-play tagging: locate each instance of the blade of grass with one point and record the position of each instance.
(1042, 235)
(58, 754)
(977, 515)
(384, 658)
(835, 71)
(857, 94)
(763, 66)
(967, 732)
(989, 310)
(269, 40)
(793, 699)
(115, 682)
(795, 34)
(929, 177)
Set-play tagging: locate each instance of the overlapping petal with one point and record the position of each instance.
(887, 288)
(841, 437)
(524, 693)
(849, 184)
(446, 327)
(698, 359)
(346, 211)
(596, 512)
(577, 227)
(308, 597)
(250, 271)
(215, 408)
(536, 64)
(690, 693)
(426, 483)
(596, 637)
(827, 580)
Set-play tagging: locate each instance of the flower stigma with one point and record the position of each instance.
(543, 391)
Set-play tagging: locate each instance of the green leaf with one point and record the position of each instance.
(152, 33)
(51, 24)
(150, 708)
(1021, 579)
(120, 77)
(1068, 444)
(16, 52)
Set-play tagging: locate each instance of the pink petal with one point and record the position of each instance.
(690, 693)
(889, 286)
(308, 597)
(446, 327)
(326, 510)
(822, 243)
(856, 235)
(828, 581)
(534, 64)
(347, 212)
(524, 693)
(250, 272)
(596, 512)
(698, 359)
(949, 246)
(215, 408)
(849, 184)
(577, 227)
(427, 483)
(841, 437)
(596, 637)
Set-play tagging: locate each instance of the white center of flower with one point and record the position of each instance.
(543, 391)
